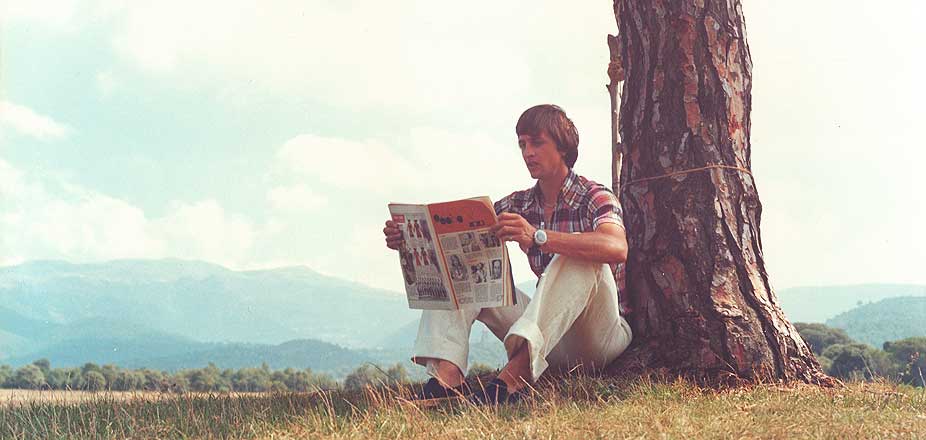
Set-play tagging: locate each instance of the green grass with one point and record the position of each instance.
(576, 407)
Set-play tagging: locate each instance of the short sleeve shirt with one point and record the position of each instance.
(581, 206)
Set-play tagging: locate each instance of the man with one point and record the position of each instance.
(571, 230)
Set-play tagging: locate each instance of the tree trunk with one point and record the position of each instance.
(702, 303)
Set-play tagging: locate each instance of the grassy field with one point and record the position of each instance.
(575, 408)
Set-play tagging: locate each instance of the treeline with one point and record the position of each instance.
(902, 361)
(92, 377)
(841, 356)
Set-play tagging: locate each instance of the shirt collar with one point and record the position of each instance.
(568, 192)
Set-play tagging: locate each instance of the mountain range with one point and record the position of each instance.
(173, 314)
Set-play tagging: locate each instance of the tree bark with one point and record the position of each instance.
(703, 306)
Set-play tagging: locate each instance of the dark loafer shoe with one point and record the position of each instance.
(434, 391)
(495, 393)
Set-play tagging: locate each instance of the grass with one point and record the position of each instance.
(577, 407)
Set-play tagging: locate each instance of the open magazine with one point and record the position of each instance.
(450, 259)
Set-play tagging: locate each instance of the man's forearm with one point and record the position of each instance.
(595, 246)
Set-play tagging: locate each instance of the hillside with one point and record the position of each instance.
(199, 301)
(886, 320)
(174, 314)
(819, 303)
(300, 354)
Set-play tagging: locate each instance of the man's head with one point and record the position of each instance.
(552, 121)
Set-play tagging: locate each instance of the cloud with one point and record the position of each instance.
(341, 163)
(299, 197)
(204, 230)
(53, 14)
(58, 220)
(47, 219)
(107, 82)
(27, 122)
(406, 57)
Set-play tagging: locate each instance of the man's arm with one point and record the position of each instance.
(607, 244)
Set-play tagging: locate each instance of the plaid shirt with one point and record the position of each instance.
(582, 206)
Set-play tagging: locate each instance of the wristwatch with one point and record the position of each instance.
(540, 237)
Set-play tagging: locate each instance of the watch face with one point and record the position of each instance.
(540, 236)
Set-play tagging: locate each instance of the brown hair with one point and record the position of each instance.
(551, 119)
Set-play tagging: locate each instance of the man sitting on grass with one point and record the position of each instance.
(571, 230)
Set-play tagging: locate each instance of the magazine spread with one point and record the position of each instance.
(450, 259)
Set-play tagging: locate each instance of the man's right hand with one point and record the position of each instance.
(394, 239)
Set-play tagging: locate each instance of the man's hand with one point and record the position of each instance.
(513, 227)
(394, 239)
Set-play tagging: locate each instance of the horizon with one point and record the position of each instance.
(255, 141)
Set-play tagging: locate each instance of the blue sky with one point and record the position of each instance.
(271, 134)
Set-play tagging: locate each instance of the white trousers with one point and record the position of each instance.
(573, 320)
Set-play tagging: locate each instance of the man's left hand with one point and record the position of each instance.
(513, 227)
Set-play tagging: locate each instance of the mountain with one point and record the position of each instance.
(200, 301)
(170, 353)
(178, 314)
(817, 304)
(886, 320)
(303, 353)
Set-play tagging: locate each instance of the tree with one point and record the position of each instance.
(819, 336)
(208, 379)
(93, 380)
(29, 377)
(857, 361)
(43, 365)
(910, 357)
(372, 375)
(6, 374)
(703, 305)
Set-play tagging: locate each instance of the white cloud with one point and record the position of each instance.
(55, 14)
(27, 122)
(73, 224)
(298, 197)
(408, 56)
(205, 231)
(367, 164)
(45, 219)
(107, 82)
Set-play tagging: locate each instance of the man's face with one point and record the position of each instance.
(540, 154)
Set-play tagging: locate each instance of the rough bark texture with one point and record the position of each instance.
(702, 303)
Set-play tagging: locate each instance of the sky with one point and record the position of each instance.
(266, 134)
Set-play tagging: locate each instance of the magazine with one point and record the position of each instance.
(450, 259)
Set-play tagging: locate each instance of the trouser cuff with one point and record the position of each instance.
(528, 332)
(438, 348)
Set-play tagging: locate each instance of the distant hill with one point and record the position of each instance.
(303, 353)
(886, 320)
(200, 301)
(164, 352)
(176, 314)
(818, 304)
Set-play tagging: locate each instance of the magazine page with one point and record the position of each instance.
(475, 258)
(426, 283)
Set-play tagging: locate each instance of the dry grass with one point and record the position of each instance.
(576, 407)
(643, 409)
(18, 397)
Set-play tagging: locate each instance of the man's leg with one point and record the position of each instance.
(573, 318)
(442, 345)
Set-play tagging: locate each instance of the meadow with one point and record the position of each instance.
(574, 407)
